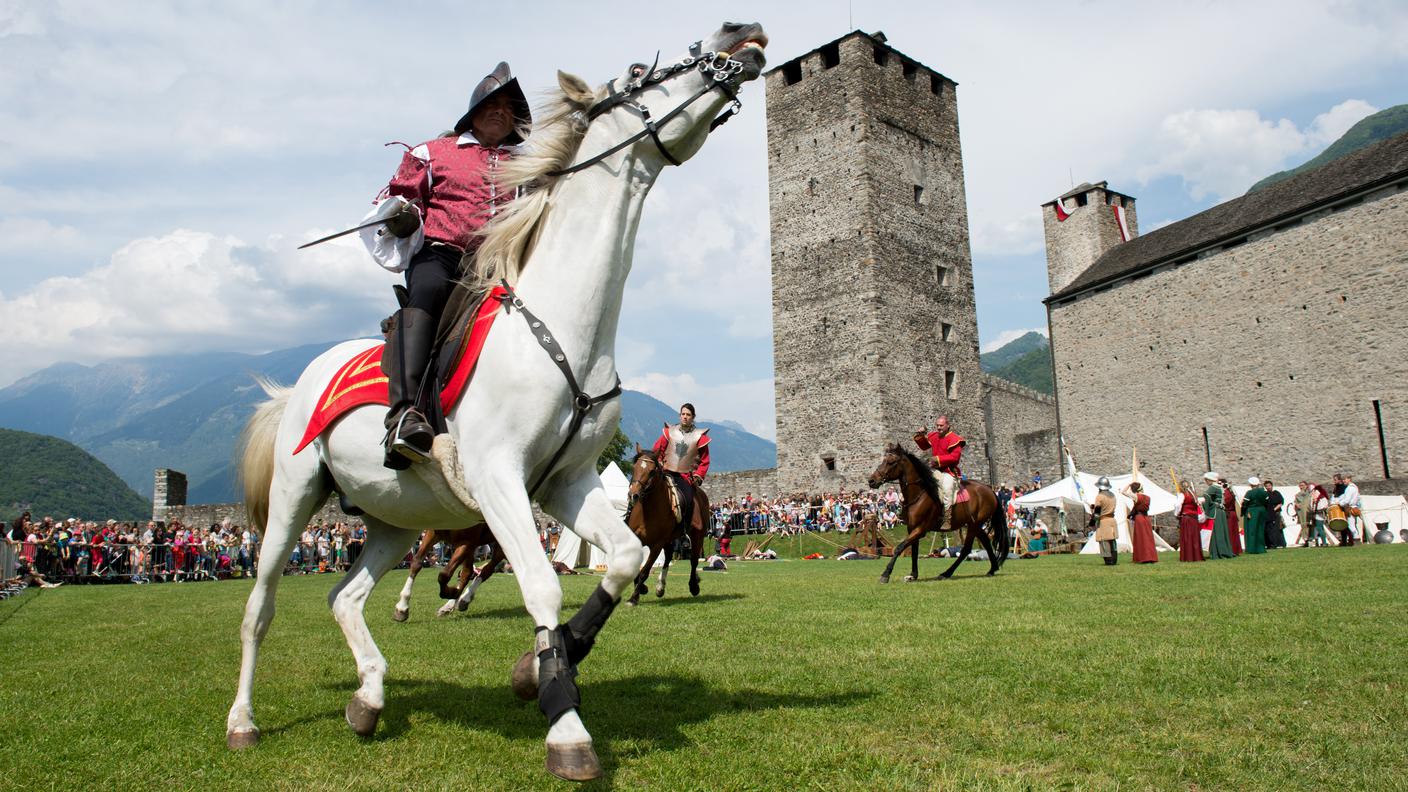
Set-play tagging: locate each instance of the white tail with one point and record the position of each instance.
(256, 452)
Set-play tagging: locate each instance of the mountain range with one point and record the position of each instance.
(1025, 360)
(1379, 126)
(185, 412)
(49, 476)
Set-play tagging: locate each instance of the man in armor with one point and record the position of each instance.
(683, 450)
(1102, 518)
(441, 195)
(947, 448)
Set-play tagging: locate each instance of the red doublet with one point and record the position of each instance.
(453, 185)
(662, 444)
(947, 449)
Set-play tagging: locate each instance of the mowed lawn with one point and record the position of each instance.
(1283, 671)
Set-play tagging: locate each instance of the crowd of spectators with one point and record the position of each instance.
(802, 513)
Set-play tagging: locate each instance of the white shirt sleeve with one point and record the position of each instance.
(391, 252)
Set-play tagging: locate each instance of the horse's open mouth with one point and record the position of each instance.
(749, 52)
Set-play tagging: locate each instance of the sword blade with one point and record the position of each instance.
(341, 233)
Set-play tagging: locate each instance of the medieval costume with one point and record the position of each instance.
(1141, 528)
(1190, 540)
(947, 448)
(1220, 546)
(1305, 513)
(442, 194)
(683, 452)
(1275, 533)
(1234, 528)
(1254, 517)
(1102, 516)
(1319, 507)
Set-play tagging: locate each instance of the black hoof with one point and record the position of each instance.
(362, 717)
(884, 578)
(693, 588)
(400, 615)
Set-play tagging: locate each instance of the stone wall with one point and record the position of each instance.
(212, 513)
(1277, 347)
(1020, 425)
(874, 326)
(735, 484)
(1073, 244)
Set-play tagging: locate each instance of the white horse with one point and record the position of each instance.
(566, 248)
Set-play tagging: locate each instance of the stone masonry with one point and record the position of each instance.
(874, 326)
(1073, 244)
(1277, 347)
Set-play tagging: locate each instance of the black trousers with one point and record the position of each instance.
(431, 277)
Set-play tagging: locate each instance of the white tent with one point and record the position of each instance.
(1391, 509)
(571, 550)
(1064, 495)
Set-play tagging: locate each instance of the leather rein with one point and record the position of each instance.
(718, 66)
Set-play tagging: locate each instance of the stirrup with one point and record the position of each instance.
(402, 447)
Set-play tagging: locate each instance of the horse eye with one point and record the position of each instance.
(637, 69)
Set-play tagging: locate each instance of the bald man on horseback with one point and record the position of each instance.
(947, 448)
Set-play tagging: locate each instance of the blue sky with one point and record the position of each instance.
(160, 161)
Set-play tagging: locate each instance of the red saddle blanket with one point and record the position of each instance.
(962, 495)
(361, 381)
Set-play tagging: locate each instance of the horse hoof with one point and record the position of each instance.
(239, 740)
(575, 762)
(693, 589)
(884, 578)
(524, 679)
(990, 574)
(443, 612)
(400, 615)
(942, 577)
(910, 578)
(462, 606)
(659, 592)
(362, 717)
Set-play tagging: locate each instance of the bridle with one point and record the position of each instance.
(718, 66)
(650, 478)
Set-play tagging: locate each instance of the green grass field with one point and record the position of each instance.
(1283, 671)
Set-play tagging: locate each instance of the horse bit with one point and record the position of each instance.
(721, 69)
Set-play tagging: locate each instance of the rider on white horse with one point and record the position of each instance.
(441, 195)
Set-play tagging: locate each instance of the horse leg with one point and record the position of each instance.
(385, 546)
(665, 569)
(987, 548)
(462, 559)
(914, 559)
(495, 556)
(962, 554)
(583, 505)
(890, 567)
(695, 543)
(292, 503)
(403, 604)
(640, 587)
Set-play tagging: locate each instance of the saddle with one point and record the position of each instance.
(460, 340)
(676, 499)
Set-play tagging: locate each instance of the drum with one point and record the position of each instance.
(1338, 521)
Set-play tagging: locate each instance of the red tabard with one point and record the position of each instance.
(948, 449)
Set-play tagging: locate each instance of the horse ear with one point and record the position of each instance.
(576, 89)
(639, 450)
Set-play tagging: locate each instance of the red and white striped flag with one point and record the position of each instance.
(1121, 222)
(1061, 213)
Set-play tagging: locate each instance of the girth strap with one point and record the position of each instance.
(582, 404)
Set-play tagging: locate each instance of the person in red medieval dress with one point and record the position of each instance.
(947, 447)
(683, 451)
(1190, 539)
(1234, 528)
(441, 195)
(1141, 529)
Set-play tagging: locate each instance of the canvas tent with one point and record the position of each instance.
(1065, 496)
(574, 552)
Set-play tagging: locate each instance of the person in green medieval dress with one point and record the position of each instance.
(1254, 517)
(1221, 544)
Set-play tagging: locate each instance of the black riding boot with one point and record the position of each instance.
(405, 361)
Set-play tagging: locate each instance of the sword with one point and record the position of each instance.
(342, 233)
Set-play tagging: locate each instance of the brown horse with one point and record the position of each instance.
(923, 512)
(464, 541)
(651, 517)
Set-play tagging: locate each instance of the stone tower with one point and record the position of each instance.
(1089, 229)
(874, 326)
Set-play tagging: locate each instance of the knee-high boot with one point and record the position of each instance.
(405, 362)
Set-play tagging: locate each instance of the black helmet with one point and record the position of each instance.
(500, 80)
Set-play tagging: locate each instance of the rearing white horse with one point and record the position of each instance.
(566, 248)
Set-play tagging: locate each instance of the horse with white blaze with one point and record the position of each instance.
(525, 430)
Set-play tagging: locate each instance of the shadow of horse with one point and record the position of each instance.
(615, 709)
(517, 611)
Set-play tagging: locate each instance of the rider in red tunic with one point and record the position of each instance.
(947, 448)
(683, 451)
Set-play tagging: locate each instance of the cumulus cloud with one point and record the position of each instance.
(191, 291)
(1223, 152)
(750, 403)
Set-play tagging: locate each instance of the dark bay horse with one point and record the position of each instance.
(923, 512)
(464, 541)
(650, 515)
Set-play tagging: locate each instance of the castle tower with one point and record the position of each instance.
(1083, 230)
(169, 490)
(874, 326)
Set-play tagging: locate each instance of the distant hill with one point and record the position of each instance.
(49, 476)
(1379, 126)
(1025, 361)
(185, 412)
(730, 447)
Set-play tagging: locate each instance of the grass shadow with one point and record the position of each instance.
(669, 601)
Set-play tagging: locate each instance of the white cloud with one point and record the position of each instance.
(1223, 152)
(31, 235)
(1008, 336)
(750, 403)
(191, 291)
